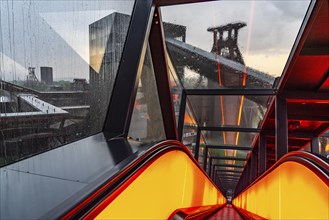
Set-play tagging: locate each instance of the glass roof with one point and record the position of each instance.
(223, 138)
(242, 111)
(222, 44)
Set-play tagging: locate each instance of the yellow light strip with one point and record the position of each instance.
(291, 191)
(172, 181)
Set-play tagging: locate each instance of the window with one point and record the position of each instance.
(56, 76)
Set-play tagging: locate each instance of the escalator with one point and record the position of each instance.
(167, 177)
(122, 179)
(161, 180)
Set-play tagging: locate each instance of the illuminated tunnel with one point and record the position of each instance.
(167, 183)
(164, 109)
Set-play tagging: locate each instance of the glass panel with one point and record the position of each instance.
(236, 170)
(324, 145)
(189, 130)
(58, 63)
(222, 138)
(240, 111)
(229, 153)
(201, 150)
(229, 162)
(146, 123)
(307, 147)
(175, 89)
(210, 49)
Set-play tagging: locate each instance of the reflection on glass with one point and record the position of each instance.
(226, 110)
(146, 123)
(324, 145)
(175, 89)
(58, 62)
(217, 138)
(230, 44)
(189, 130)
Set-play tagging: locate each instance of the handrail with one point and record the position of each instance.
(110, 187)
(316, 164)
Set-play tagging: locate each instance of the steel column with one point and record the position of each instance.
(230, 92)
(160, 65)
(315, 145)
(197, 144)
(253, 166)
(281, 128)
(232, 129)
(182, 109)
(227, 165)
(126, 84)
(205, 156)
(229, 147)
(229, 158)
(209, 167)
(261, 153)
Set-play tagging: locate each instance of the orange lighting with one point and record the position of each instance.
(171, 181)
(291, 191)
(244, 80)
(188, 119)
(220, 85)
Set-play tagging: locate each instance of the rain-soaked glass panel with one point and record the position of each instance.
(232, 44)
(175, 88)
(58, 63)
(228, 162)
(222, 138)
(239, 111)
(146, 122)
(229, 153)
(230, 169)
(189, 130)
(324, 145)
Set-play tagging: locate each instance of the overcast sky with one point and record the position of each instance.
(272, 27)
(56, 33)
(50, 33)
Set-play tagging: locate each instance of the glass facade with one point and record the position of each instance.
(222, 46)
(89, 76)
(230, 44)
(224, 111)
(146, 124)
(189, 130)
(58, 64)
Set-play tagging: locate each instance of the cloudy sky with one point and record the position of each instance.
(272, 27)
(50, 33)
(56, 33)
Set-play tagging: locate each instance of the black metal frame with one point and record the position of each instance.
(229, 129)
(182, 109)
(281, 127)
(228, 158)
(229, 171)
(227, 165)
(159, 58)
(261, 153)
(228, 147)
(142, 30)
(224, 92)
(315, 145)
(129, 71)
(146, 27)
